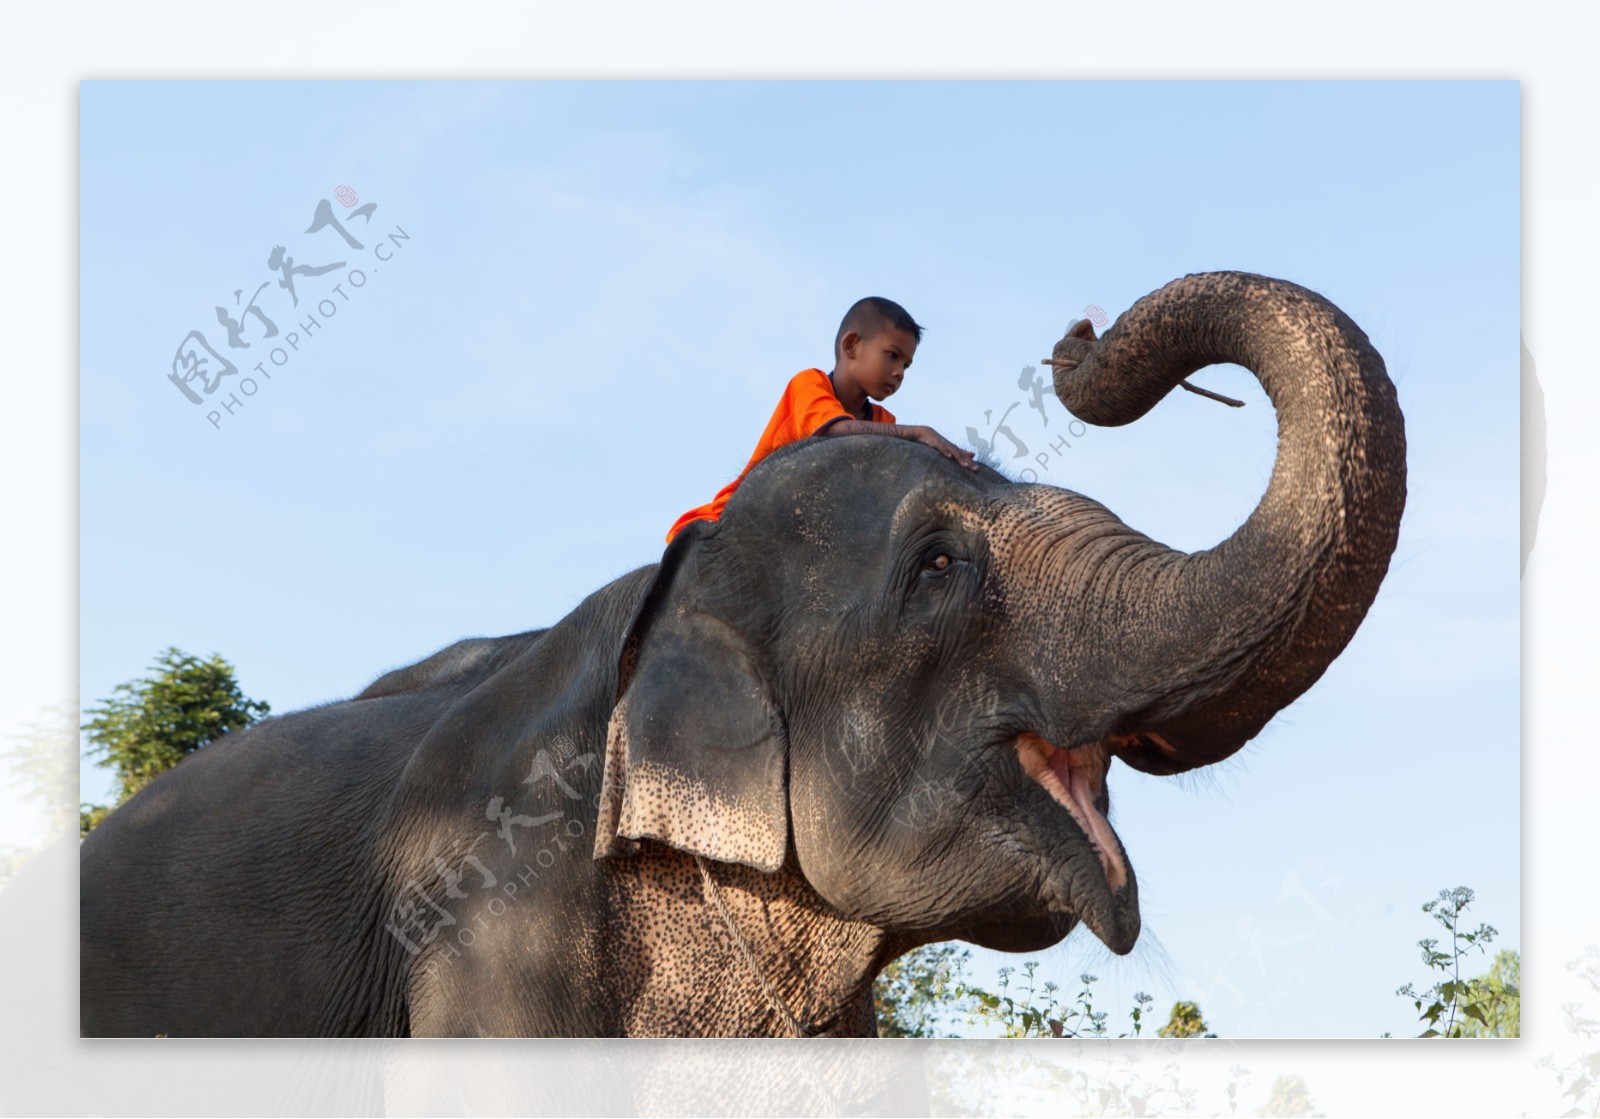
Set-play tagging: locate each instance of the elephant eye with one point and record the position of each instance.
(938, 562)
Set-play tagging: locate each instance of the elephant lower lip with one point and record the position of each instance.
(1073, 778)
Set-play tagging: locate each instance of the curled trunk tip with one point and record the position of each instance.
(1241, 630)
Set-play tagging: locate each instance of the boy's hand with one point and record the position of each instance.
(949, 450)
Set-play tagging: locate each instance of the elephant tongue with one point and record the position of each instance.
(1073, 778)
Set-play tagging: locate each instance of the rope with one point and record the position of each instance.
(830, 1099)
(796, 1029)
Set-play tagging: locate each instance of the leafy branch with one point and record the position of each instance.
(1452, 1002)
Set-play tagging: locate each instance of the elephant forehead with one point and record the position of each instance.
(1026, 533)
(991, 505)
(962, 514)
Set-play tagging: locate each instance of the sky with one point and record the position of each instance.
(580, 302)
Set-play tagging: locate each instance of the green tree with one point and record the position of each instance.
(913, 993)
(1499, 995)
(1033, 1010)
(1186, 1021)
(40, 766)
(1452, 1003)
(1289, 1099)
(1579, 1075)
(150, 725)
(923, 992)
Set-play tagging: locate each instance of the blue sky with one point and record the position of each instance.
(604, 289)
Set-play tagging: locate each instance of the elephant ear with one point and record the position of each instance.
(696, 750)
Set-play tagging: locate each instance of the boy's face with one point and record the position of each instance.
(879, 363)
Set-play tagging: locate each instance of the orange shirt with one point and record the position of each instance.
(808, 406)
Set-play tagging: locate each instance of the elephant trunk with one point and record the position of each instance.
(1207, 647)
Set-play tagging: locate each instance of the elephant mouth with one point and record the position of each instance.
(1075, 779)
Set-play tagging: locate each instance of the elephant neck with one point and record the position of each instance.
(763, 952)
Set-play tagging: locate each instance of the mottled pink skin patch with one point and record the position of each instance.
(1074, 779)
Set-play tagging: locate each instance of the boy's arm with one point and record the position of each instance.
(919, 433)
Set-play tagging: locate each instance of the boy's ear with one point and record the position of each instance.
(696, 750)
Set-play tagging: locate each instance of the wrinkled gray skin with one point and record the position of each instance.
(805, 694)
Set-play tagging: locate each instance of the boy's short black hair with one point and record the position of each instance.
(874, 313)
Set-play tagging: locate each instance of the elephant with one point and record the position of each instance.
(872, 707)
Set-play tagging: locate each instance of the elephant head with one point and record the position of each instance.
(906, 682)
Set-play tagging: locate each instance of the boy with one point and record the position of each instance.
(871, 353)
